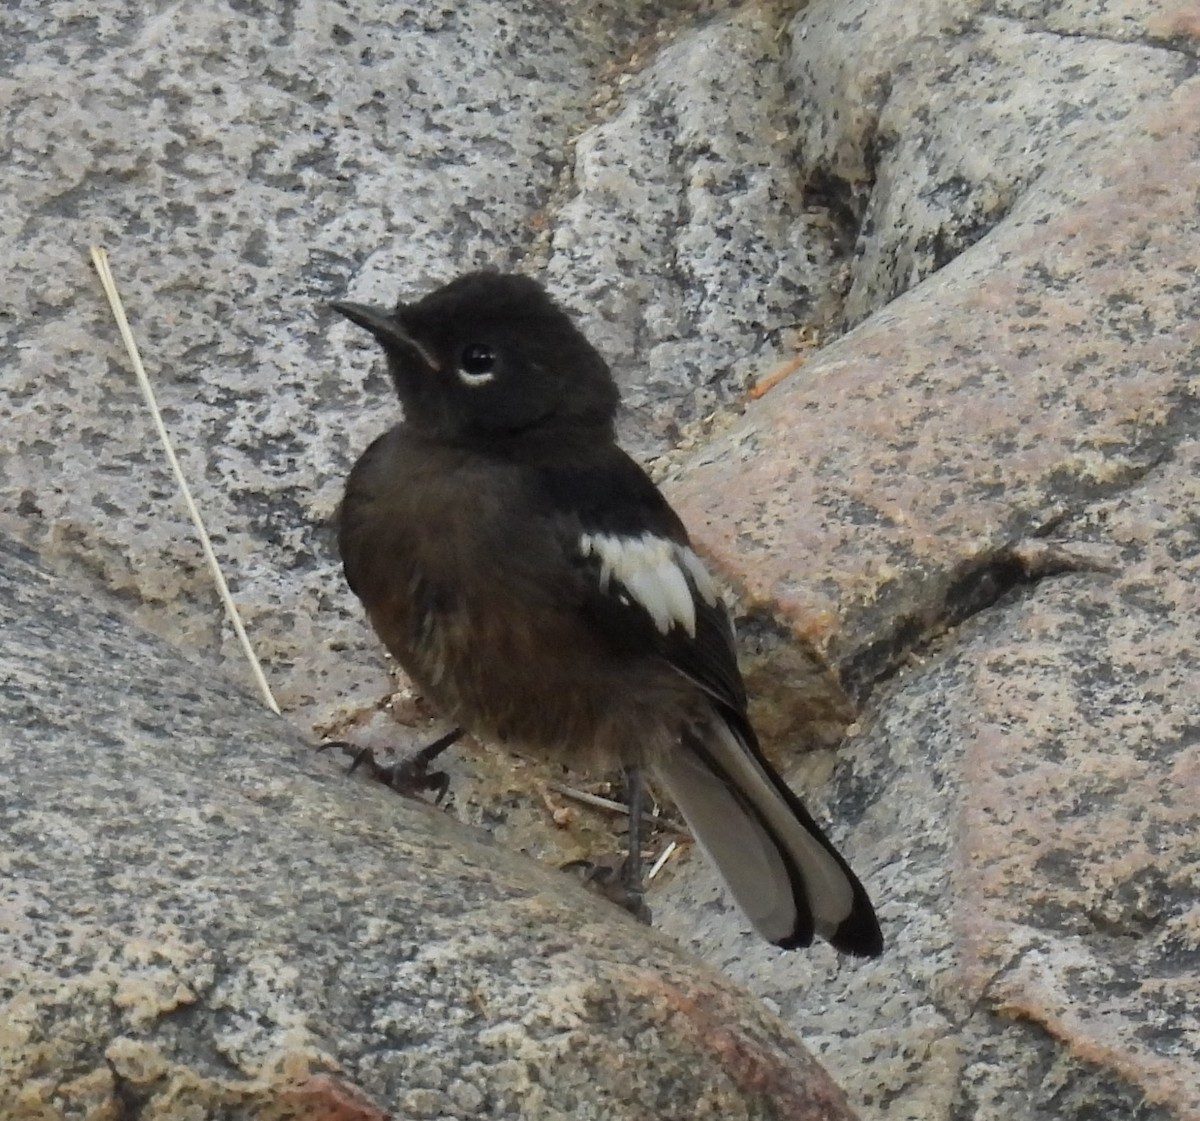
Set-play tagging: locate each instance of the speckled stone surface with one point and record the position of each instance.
(1017, 178)
(243, 165)
(1053, 362)
(1028, 821)
(201, 917)
(931, 120)
(1018, 791)
(688, 237)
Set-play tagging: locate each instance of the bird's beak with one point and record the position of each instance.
(382, 324)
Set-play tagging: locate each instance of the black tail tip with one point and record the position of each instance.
(859, 936)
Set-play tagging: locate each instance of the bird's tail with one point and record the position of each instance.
(780, 867)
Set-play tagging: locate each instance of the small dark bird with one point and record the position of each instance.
(540, 591)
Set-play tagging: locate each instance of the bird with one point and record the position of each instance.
(541, 592)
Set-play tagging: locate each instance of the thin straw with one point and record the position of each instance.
(100, 260)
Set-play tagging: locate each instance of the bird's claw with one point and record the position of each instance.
(410, 777)
(610, 879)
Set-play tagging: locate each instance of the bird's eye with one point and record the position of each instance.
(477, 364)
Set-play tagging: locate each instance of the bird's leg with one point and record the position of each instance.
(620, 881)
(631, 874)
(413, 775)
(410, 776)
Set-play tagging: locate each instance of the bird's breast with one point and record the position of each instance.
(468, 587)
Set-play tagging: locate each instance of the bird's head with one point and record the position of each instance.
(491, 356)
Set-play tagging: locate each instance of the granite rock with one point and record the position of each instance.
(202, 917)
(688, 233)
(1048, 365)
(1027, 823)
(930, 121)
(960, 533)
(978, 506)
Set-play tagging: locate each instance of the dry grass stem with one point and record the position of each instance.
(666, 855)
(100, 260)
(613, 807)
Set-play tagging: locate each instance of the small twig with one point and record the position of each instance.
(100, 260)
(657, 866)
(560, 815)
(614, 807)
(768, 381)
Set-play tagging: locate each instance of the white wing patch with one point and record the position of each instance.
(654, 571)
(699, 574)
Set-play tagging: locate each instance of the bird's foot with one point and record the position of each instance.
(410, 777)
(621, 881)
(609, 877)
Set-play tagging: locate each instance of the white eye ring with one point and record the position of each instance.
(481, 355)
(475, 379)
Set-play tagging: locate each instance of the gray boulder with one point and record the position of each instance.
(961, 237)
(978, 507)
(204, 918)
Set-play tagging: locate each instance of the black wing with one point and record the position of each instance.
(618, 529)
